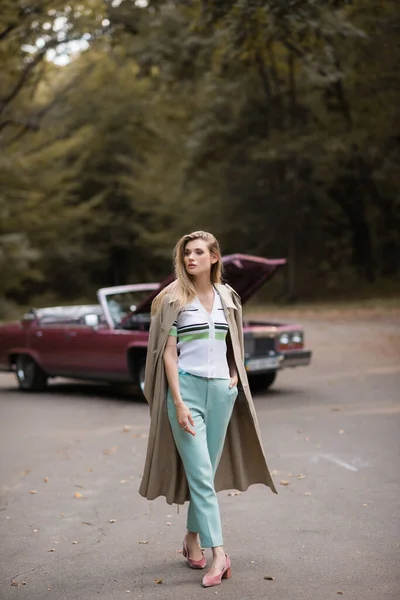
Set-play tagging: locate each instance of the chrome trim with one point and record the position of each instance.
(296, 358)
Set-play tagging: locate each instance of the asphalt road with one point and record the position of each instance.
(73, 526)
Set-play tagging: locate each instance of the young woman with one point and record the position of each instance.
(204, 435)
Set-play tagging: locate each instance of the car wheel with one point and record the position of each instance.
(30, 376)
(260, 383)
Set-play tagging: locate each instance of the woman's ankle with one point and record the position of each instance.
(218, 551)
(192, 536)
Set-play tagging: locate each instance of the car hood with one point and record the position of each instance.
(245, 273)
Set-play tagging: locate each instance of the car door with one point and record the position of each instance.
(48, 341)
(98, 352)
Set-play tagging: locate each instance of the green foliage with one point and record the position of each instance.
(273, 124)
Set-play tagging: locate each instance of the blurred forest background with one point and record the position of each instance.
(125, 124)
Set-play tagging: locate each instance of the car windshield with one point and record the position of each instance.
(123, 304)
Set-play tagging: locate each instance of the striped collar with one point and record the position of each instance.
(225, 294)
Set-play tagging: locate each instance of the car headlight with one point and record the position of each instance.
(284, 338)
(297, 337)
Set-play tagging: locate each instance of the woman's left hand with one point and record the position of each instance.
(234, 380)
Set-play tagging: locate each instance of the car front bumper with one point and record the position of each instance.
(296, 358)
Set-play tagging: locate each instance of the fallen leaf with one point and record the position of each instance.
(89, 469)
(112, 520)
(144, 542)
(86, 523)
(365, 504)
(301, 476)
(49, 589)
(158, 581)
(51, 550)
(46, 479)
(252, 562)
(341, 431)
(75, 542)
(109, 451)
(78, 495)
(25, 473)
(284, 482)
(268, 578)
(127, 428)
(124, 481)
(340, 593)
(32, 491)
(15, 583)
(35, 531)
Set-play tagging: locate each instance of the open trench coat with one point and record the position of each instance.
(243, 461)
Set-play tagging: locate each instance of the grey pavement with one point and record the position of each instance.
(331, 431)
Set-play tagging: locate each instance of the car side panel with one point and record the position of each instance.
(101, 353)
(48, 343)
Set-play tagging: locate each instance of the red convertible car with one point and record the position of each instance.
(107, 341)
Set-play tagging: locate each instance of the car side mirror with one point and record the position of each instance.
(91, 320)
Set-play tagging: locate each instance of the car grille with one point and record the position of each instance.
(263, 346)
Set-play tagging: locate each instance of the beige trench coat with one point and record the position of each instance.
(243, 461)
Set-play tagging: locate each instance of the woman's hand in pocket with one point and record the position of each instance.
(233, 381)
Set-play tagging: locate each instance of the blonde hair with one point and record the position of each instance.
(182, 290)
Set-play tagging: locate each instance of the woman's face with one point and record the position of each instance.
(197, 258)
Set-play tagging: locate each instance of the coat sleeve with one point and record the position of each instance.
(152, 346)
(150, 357)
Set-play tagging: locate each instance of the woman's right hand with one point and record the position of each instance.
(184, 418)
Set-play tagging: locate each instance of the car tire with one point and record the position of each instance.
(260, 383)
(30, 377)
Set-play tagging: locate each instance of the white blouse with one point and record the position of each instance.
(201, 340)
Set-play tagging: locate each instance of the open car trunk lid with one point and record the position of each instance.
(245, 273)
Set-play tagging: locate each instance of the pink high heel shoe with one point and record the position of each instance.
(193, 564)
(226, 573)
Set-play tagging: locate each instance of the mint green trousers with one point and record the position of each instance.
(210, 402)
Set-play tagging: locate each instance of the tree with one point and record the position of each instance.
(273, 124)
